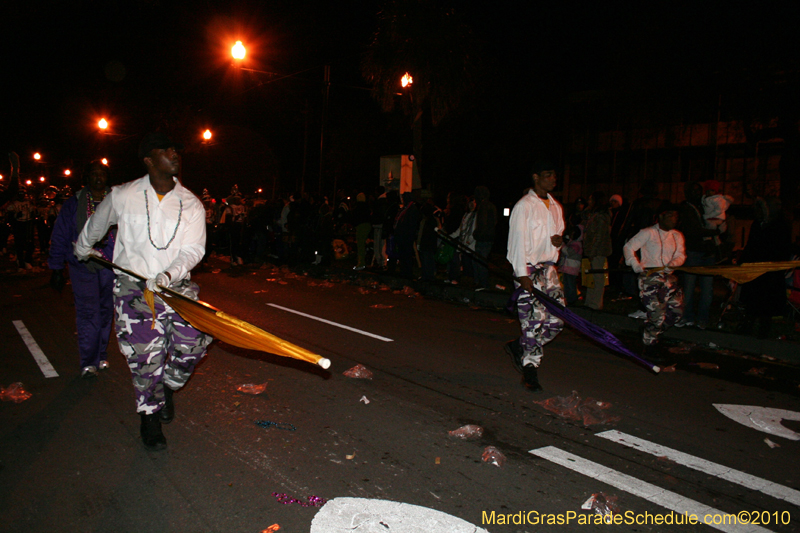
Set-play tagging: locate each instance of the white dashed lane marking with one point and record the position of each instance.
(37, 353)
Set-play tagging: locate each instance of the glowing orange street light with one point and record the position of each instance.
(406, 80)
(260, 191)
(238, 51)
(102, 124)
(104, 161)
(41, 179)
(207, 135)
(1, 177)
(37, 156)
(67, 172)
(28, 182)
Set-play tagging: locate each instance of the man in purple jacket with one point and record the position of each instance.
(92, 284)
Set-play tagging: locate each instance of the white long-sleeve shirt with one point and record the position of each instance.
(657, 247)
(530, 228)
(125, 206)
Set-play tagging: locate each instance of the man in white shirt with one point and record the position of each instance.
(534, 241)
(662, 248)
(161, 235)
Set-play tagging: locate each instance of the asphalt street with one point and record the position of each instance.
(71, 457)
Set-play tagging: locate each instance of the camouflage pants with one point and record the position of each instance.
(538, 326)
(163, 355)
(663, 298)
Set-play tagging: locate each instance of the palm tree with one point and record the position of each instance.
(436, 47)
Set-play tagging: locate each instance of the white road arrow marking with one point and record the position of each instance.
(766, 419)
(723, 472)
(345, 515)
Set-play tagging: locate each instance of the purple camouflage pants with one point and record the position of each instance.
(162, 356)
(538, 326)
(663, 298)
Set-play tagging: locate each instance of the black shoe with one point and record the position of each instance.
(530, 378)
(152, 437)
(167, 413)
(514, 350)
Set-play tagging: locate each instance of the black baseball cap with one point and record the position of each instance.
(156, 140)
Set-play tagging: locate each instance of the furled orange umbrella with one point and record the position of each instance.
(225, 327)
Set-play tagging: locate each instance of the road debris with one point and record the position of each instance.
(572, 407)
(311, 501)
(364, 399)
(706, 366)
(381, 306)
(772, 444)
(470, 431)
(266, 424)
(493, 456)
(271, 529)
(358, 372)
(252, 388)
(602, 504)
(15, 392)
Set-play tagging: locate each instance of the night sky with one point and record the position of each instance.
(143, 64)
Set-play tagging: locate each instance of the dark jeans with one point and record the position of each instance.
(482, 250)
(706, 285)
(570, 288)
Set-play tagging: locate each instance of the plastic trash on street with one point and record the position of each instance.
(359, 372)
(493, 456)
(252, 388)
(589, 410)
(470, 431)
(381, 306)
(15, 392)
(602, 504)
(271, 529)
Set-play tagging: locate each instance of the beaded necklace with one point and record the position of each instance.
(174, 233)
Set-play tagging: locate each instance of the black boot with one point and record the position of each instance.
(167, 413)
(152, 437)
(514, 350)
(530, 377)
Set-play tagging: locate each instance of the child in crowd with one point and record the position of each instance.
(570, 264)
(715, 205)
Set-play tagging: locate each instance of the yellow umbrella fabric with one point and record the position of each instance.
(741, 273)
(237, 332)
(223, 326)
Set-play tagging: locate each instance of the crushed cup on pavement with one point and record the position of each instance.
(601, 504)
(572, 407)
(252, 388)
(772, 444)
(15, 392)
(364, 399)
(470, 431)
(359, 372)
(493, 456)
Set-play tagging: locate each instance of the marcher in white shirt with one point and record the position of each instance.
(161, 235)
(662, 248)
(534, 241)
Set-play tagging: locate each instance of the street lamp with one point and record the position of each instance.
(406, 80)
(102, 124)
(207, 135)
(28, 182)
(37, 156)
(41, 179)
(238, 51)
(104, 161)
(67, 172)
